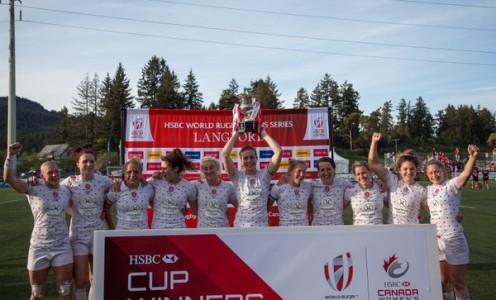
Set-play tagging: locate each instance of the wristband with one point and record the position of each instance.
(9, 164)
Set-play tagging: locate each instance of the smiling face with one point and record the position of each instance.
(326, 173)
(210, 170)
(363, 176)
(435, 173)
(51, 174)
(408, 171)
(249, 161)
(297, 175)
(86, 164)
(132, 175)
(170, 174)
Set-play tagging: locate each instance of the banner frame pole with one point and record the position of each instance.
(331, 131)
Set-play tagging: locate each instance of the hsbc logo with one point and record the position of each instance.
(152, 259)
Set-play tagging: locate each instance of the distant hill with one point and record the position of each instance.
(35, 124)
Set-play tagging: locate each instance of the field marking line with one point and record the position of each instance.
(470, 207)
(10, 201)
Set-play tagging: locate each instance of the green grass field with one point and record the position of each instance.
(478, 207)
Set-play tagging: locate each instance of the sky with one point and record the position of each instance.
(442, 51)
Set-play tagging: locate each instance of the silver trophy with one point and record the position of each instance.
(249, 108)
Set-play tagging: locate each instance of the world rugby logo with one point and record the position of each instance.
(339, 272)
(137, 123)
(318, 122)
(137, 128)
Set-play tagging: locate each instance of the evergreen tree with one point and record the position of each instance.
(484, 124)
(87, 109)
(266, 92)
(192, 96)
(302, 99)
(348, 105)
(329, 90)
(351, 124)
(168, 92)
(317, 98)
(348, 100)
(386, 122)
(422, 122)
(402, 128)
(115, 97)
(64, 132)
(228, 97)
(150, 81)
(213, 106)
(370, 124)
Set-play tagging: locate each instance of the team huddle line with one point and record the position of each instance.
(88, 198)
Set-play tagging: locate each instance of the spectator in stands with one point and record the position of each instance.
(172, 192)
(293, 197)
(213, 195)
(132, 198)
(443, 197)
(49, 245)
(406, 195)
(252, 186)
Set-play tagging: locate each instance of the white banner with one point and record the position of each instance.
(381, 262)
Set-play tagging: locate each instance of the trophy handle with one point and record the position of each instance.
(255, 111)
(236, 120)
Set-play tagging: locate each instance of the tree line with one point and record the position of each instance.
(96, 116)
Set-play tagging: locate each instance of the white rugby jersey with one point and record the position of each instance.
(252, 192)
(48, 207)
(169, 201)
(405, 200)
(88, 197)
(132, 206)
(212, 203)
(367, 204)
(292, 202)
(444, 205)
(328, 202)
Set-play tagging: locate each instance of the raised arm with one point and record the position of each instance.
(226, 155)
(9, 170)
(473, 151)
(379, 170)
(275, 161)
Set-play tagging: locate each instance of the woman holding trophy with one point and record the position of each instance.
(252, 186)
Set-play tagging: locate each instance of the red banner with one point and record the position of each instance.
(150, 134)
(184, 271)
